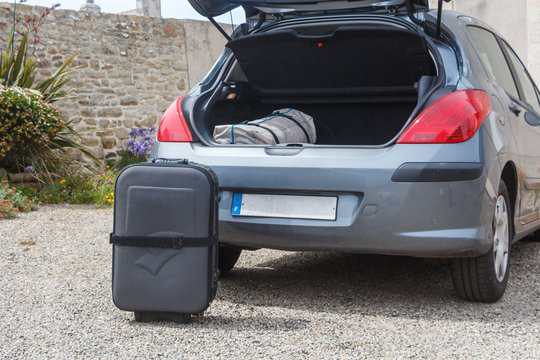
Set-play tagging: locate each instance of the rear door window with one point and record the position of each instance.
(529, 90)
(493, 58)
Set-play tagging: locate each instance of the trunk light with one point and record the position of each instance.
(173, 126)
(454, 118)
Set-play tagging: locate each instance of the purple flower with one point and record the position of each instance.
(140, 141)
(29, 169)
(111, 182)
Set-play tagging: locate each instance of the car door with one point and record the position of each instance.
(497, 65)
(527, 125)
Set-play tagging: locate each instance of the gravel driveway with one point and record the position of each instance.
(55, 302)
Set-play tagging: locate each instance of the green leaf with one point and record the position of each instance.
(64, 140)
(51, 87)
(21, 52)
(7, 58)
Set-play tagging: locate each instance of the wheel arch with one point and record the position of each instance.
(509, 176)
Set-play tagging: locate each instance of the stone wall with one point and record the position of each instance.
(129, 68)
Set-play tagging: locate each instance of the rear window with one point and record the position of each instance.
(493, 58)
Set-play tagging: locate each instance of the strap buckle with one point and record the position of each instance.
(177, 242)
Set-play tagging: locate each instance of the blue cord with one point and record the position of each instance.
(232, 133)
(270, 118)
(274, 116)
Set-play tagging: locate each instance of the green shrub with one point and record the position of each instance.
(27, 124)
(12, 201)
(75, 189)
(18, 70)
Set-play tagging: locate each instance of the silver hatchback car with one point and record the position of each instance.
(428, 135)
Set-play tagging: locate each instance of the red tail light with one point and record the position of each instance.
(454, 118)
(173, 126)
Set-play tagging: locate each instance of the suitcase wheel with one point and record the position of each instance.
(148, 316)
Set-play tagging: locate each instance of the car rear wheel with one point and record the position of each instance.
(228, 256)
(535, 236)
(484, 278)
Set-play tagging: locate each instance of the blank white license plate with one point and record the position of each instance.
(285, 206)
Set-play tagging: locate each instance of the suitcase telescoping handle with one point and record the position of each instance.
(169, 161)
(172, 242)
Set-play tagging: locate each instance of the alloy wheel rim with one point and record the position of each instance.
(500, 239)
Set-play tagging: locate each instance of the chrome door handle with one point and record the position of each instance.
(514, 108)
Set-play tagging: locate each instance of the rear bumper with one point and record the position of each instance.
(417, 219)
(381, 209)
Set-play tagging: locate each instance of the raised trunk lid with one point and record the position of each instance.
(349, 61)
(211, 8)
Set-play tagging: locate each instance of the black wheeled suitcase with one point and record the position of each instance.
(165, 244)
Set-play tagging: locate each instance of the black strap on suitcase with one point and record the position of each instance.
(165, 240)
(174, 242)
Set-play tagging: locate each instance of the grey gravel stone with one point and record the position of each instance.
(55, 302)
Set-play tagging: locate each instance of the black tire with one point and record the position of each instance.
(228, 256)
(535, 236)
(476, 279)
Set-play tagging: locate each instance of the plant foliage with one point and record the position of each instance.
(17, 68)
(12, 201)
(28, 124)
(79, 188)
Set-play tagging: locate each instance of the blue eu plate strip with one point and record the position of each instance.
(236, 204)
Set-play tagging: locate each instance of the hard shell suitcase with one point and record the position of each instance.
(165, 243)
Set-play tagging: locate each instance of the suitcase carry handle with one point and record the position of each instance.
(170, 161)
(173, 242)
